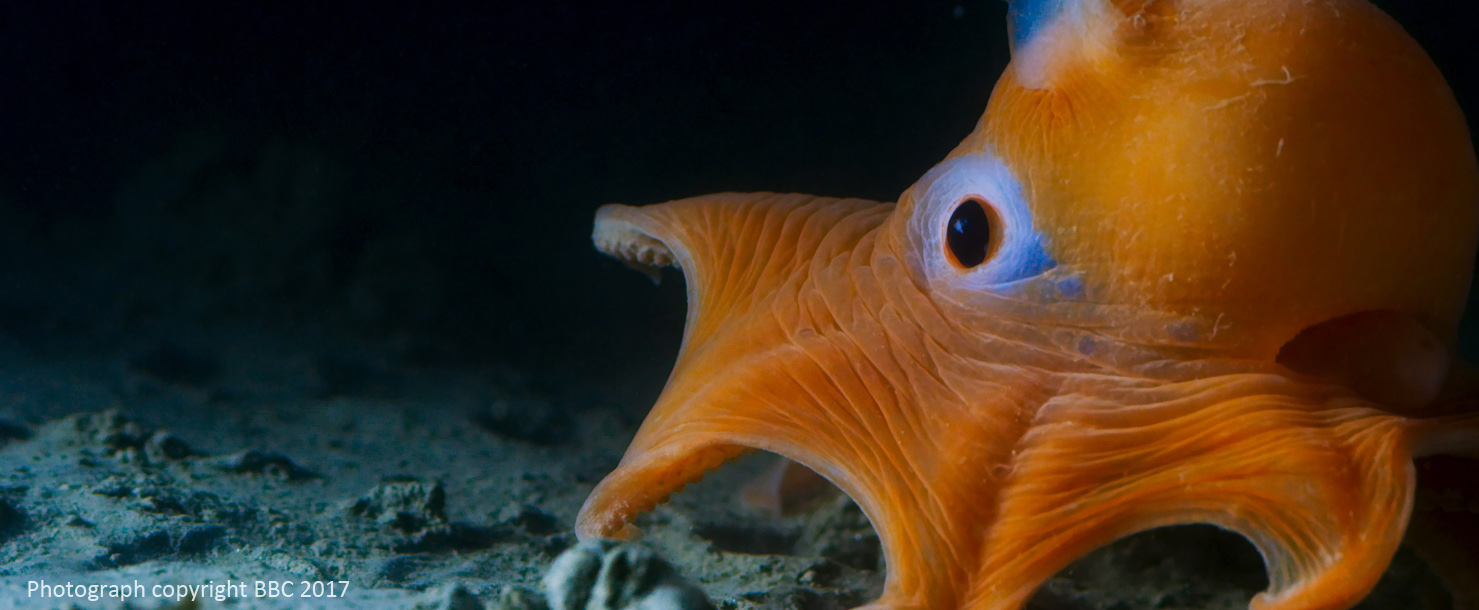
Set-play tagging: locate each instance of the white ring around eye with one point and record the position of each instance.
(1022, 252)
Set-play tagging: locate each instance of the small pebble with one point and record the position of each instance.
(605, 575)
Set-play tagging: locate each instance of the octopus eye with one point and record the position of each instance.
(970, 236)
(973, 227)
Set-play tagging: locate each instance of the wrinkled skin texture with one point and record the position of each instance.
(1230, 244)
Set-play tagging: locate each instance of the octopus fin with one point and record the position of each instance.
(1049, 37)
(1386, 356)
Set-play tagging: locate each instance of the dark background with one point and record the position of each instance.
(424, 177)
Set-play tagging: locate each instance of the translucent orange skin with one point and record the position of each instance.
(1217, 175)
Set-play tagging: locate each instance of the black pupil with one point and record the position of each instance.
(969, 233)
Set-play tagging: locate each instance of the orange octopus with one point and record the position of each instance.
(1201, 261)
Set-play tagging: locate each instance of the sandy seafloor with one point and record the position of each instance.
(222, 455)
